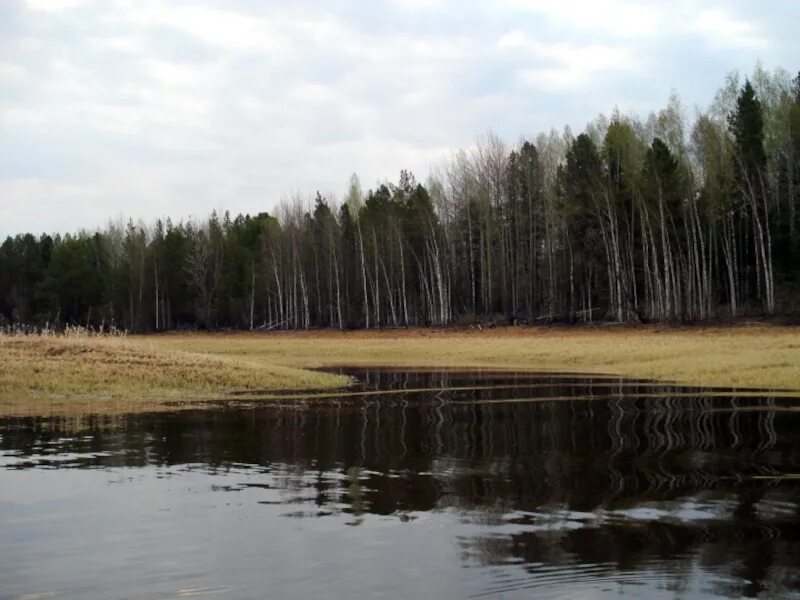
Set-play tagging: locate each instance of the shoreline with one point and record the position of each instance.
(142, 373)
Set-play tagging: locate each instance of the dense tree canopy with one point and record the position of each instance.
(630, 220)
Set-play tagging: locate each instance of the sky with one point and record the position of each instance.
(112, 109)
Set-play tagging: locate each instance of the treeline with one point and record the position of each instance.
(656, 219)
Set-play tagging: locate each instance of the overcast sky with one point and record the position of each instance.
(152, 108)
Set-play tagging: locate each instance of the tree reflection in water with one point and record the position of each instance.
(559, 477)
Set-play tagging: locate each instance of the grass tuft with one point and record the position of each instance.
(105, 372)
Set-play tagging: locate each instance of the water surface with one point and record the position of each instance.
(450, 484)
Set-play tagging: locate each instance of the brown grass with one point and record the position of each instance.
(100, 374)
(742, 356)
(109, 375)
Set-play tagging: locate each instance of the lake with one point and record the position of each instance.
(415, 484)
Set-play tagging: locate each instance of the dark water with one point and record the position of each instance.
(614, 489)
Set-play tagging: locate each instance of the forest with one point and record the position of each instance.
(663, 218)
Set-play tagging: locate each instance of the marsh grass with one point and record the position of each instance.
(69, 331)
(80, 373)
(731, 357)
(112, 374)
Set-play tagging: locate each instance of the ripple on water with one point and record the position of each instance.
(419, 483)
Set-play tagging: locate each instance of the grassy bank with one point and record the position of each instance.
(66, 375)
(758, 356)
(107, 375)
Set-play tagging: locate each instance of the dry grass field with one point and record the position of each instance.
(106, 375)
(757, 356)
(66, 375)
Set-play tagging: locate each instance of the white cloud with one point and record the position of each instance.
(725, 30)
(619, 17)
(37, 206)
(54, 5)
(126, 44)
(563, 66)
(225, 29)
(417, 4)
(11, 73)
(311, 93)
(147, 107)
